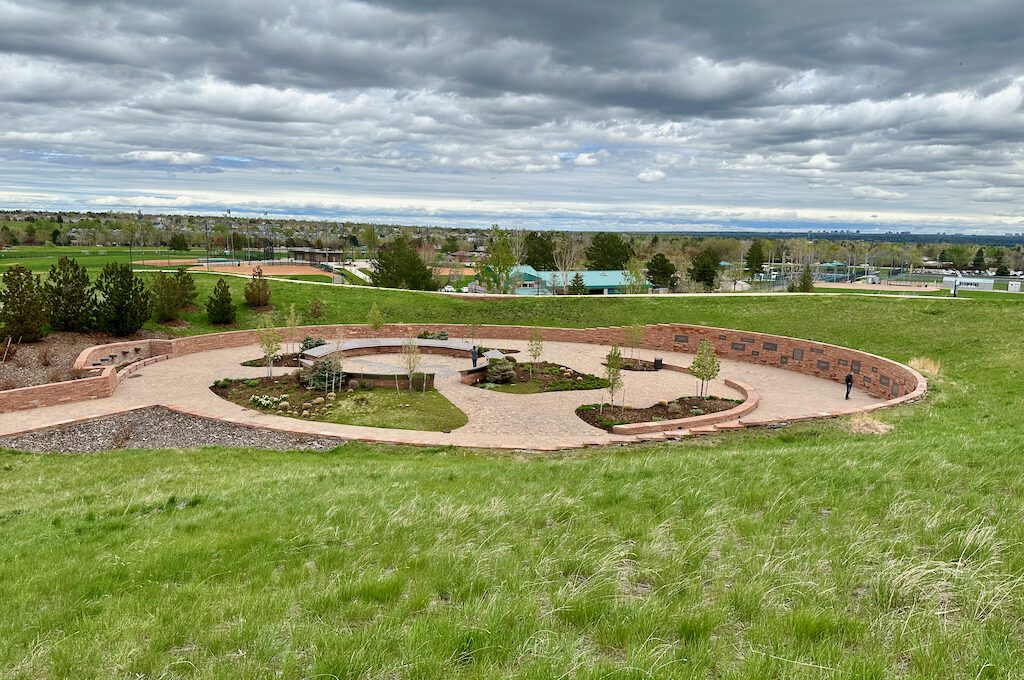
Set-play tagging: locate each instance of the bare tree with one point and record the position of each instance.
(567, 257)
(411, 359)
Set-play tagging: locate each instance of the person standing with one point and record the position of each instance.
(849, 384)
(474, 354)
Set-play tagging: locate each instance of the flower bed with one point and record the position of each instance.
(609, 416)
(545, 377)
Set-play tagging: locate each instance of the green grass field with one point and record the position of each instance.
(803, 552)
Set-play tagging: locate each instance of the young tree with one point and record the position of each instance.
(636, 283)
(375, 318)
(398, 265)
(24, 309)
(290, 320)
(535, 348)
(635, 333)
(123, 304)
(185, 285)
(755, 257)
(498, 270)
(661, 272)
(567, 257)
(577, 285)
(806, 284)
(257, 291)
(164, 292)
(705, 268)
(219, 307)
(613, 374)
(270, 342)
(705, 366)
(411, 361)
(71, 298)
(608, 250)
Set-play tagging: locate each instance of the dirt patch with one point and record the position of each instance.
(638, 365)
(684, 407)
(269, 270)
(50, 359)
(862, 423)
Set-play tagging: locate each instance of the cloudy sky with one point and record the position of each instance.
(590, 114)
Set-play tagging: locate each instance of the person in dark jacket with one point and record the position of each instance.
(474, 354)
(849, 384)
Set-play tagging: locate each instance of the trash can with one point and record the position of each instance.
(657, 363)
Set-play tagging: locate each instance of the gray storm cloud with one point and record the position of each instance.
(586, 112)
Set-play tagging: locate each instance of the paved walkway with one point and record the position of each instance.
(496, 420)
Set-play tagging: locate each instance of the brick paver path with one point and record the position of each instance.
(496, 420)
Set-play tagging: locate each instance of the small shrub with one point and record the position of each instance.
(316, 309)
(264, 400)
(433, 335)
(500, 371)
(44, 358)
(252, 383)
(324, 375)
(164, 292)
(309, 343)
(223, 383)
(185, 286)
(120, 438)
(257, 291)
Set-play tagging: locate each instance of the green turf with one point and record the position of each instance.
(319, 278)
(352, 279)
(801, 552)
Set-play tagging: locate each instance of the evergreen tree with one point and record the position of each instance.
(661, 272)
(186, 287)
(979, 259)
(577, 286)
(219, 308)
(540, 251)
(755, 257)
(398, 265)
(24, 309)
(257, 291)
(71, 297)
(705, 268)
(124, 304)
(806, 282)
(164, 292)
(608, 251)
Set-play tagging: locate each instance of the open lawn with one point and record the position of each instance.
(812, 551)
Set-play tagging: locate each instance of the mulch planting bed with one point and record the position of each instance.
(684, 407)
(638, 365)
(548, 377)
(281, 360)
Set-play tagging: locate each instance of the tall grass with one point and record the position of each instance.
(808, 551)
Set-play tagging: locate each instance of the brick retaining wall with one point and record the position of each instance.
(876, 375)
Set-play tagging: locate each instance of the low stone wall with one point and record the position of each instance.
(54, 394)
(391, 380)
(876, 375)
(748, 406)
(123, 352)
(472, 376)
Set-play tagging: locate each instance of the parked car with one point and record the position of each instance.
(448, 289)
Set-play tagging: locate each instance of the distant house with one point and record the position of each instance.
(601, 282)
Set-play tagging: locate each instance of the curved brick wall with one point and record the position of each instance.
(876, 375)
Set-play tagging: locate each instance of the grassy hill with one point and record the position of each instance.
(808, 551)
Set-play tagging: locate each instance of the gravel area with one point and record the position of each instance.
(159, 428)
(50, 359)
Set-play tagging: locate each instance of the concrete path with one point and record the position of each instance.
(544, 421)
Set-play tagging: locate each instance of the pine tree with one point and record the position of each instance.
(705, 268)
(806, 284)
(979, 259)
(186, 288)
(219, 307)
(375, 317)
(577, 286)
(164, 292)
(124, 304)
(755, 257)
(71, 296)
(24, 309)
(661, 272)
